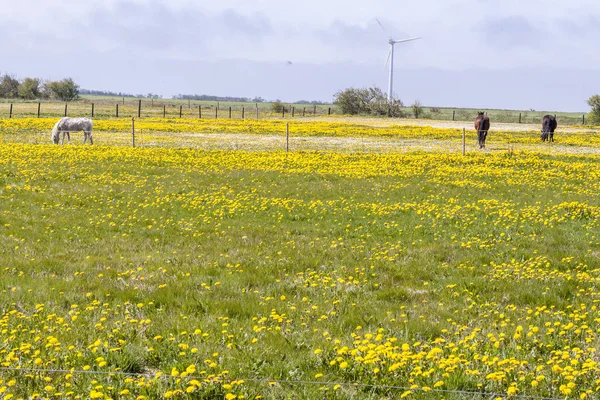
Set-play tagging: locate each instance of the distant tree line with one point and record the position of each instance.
(258, 99)
(36, 88)
(118, 94)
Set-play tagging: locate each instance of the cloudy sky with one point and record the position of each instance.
(527, 54)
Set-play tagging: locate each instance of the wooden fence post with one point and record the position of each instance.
(229, 112)
(180, 111)
(329, 111)
(293, 110)
(189, 103)
(66, 109)
(453, 114)
(303, 111)
(10, 112)
(256, 110)
(92, 110)
(132, 132)
(39, 107)
(315, 109)
(164, 110)
(200, 111)
(243, 112)
(464, 142)
(117, 111)
(139, 108)
(217, 112)
(283, 112)
(519, 117)
(583, 119)
(287, 137)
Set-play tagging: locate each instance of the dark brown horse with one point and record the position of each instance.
(548, 126)
(482, 125)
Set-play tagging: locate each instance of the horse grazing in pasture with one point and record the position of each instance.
(482, 125)
(67, 125)
(548, 126)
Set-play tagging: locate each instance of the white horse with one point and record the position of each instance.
(67, 125)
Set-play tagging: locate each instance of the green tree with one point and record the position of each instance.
(29, 89)
(594, 103)
(371, 101)
(65, 90)
(9, 86)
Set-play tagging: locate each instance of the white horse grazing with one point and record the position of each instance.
(67, 125)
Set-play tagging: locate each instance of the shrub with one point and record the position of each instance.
(65, 90)
(367, 101)
(9, 86)
(29, 89)
(417, 108)
(594, 103)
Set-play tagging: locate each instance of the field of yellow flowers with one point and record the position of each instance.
(169, 272)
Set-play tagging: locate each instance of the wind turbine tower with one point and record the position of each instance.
(390, 58)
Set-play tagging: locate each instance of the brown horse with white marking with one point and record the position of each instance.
(482, 125)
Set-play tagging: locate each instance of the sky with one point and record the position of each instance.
(526, 54)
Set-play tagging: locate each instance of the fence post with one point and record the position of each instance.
(132, 132)
(256, 110)
(283, 112)
(329, 111)
(164, 110)
(200, 111)
(39, 106)
(464, 142)
(92, 110)
(243, 112)
(217, 112)
(583, 119)
(117, 111)
(229, 112)
(123, 100)
(66, 109)
(189, 103)
(10, 112)
(453, 113)
(287, 137)
(315, 109)
(180, 111)
(303, 111)
(293, 110)
(139, 108)
(519, 117)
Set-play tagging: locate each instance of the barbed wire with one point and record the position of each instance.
(281, 382)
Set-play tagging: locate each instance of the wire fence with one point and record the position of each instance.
(150, 108)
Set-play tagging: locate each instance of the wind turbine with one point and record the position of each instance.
(390, 58)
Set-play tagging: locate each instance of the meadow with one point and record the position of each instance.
(173, 270)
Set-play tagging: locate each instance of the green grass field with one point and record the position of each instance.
(248, 274)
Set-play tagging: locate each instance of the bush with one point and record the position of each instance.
(30, 89)
(278, 107)
(594, 103)
(367, 101)
(417, 108)
(65, 90)
(9, 86)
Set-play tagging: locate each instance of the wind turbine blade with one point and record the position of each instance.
(407, 40)
(388, 58)
(386, 32)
